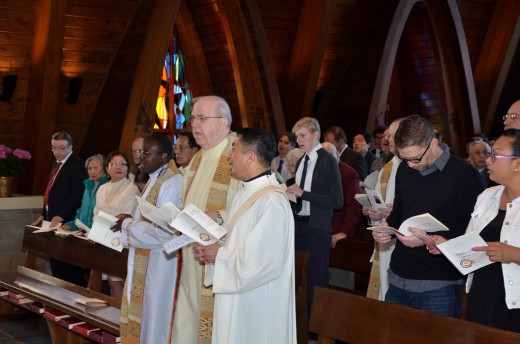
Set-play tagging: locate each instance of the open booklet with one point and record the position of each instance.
(290, 196)
(459, 253)
(45, 227)
(162, 217)
(195, 226)
(372, 199)
(426, 222)
(102, 233)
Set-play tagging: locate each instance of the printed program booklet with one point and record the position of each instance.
(102, 233)
(426, 222)
(372, 199)
(459, 253)
(195, 226)
(162, 216)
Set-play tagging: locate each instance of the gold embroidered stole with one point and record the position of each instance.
(374, 284)
(131, 314)
(217, 199)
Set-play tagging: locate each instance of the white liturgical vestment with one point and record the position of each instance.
(254, 272)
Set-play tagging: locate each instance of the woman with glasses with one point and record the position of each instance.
(494, 290)
(116, 197)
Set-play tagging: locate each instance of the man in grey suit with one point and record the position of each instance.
(337, 137)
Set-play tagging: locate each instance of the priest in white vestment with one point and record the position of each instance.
(153, 322)
(253, 280)
(209, 186)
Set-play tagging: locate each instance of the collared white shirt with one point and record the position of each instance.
(313, 157)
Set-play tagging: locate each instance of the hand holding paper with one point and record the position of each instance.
(102, 233)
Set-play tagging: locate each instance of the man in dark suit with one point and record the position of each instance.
(62, 197)
(337, 137)
(318, 188)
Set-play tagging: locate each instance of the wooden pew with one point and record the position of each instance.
(301, 266)
(97, 258)
(354, 254)
(338, 315)
(59, 294)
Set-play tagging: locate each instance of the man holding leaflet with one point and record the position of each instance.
(148, 297)
(430, 180)
(254, 268)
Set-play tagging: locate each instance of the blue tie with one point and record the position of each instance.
(298, 206)
(279, 170)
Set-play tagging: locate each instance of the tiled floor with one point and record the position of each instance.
(23, 329)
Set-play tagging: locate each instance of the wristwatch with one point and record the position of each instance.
(219, 219)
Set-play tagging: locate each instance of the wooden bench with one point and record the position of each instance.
(350, 318)
(301, 267)
(60, 295)
(354, 254)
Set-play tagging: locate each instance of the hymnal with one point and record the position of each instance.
(70, 322)
(90, 301)
(85, 328)
(426, 222)
(54, 314)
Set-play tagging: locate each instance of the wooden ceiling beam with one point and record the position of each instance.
(43, 90)
(140, 114)
(196, 67)
(306, 58)
(250, 91)
(495, 58)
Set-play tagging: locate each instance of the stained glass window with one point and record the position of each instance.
(173, 100)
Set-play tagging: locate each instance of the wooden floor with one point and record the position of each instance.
(23, 329)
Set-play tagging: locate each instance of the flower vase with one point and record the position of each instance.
(6, 186)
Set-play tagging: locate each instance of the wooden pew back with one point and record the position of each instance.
(354, 319)
(301, 266)
(94, 257)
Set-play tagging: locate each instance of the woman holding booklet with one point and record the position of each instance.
(494, 290)
(116, 197)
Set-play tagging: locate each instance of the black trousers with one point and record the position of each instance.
(68, 272)
(319, 244)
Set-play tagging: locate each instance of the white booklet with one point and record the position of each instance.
(425, 222)
(102, 233)
(372, 199)
(459, 253)
(198, 226)
(45, 227)
(370, 181)
(81, 225)
(290, 196)
(162, 216)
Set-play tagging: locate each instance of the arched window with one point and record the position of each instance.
(173, 100)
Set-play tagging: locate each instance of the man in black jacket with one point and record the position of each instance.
(318, 188)
(62, 197)
(337, 137)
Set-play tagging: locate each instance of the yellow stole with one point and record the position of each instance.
(217, 199)
(374, 284)
(131, 314)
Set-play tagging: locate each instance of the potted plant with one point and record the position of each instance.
(11, 161)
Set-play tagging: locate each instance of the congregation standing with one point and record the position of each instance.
(242, 289)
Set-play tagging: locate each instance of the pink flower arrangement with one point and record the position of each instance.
(11, 160)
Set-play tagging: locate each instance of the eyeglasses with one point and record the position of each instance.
(144, 153)
(494, 157)
(181, 148)
(118, 164)
(512, 115)
(201, 118)
(388, 136)
(57, 149)
(418, 160)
